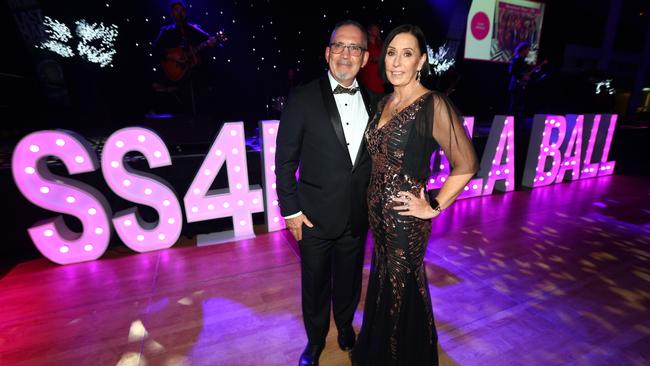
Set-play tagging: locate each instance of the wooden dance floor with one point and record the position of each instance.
(553, 276)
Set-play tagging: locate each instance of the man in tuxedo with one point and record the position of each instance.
(321, 129)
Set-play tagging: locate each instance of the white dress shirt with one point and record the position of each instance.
(354, 116)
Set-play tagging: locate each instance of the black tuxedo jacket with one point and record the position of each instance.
(331, 190)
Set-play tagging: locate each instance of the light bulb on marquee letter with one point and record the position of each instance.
(544, 155)
(441, 168)
(274, 219)
(44, 189)
(571, 149)
(498, 162)
(238, 201)
(142, 188)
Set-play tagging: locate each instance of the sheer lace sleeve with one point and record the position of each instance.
(448, 131)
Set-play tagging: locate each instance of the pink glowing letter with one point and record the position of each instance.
(238, 201)
(498, 162)
(545, 140)
(145, 189)
(591, 124)
(441, 168)
(44, 189)
(274, 220)
(607, 167)
(571, 150)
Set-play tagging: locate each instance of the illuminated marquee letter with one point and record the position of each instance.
(44, 189)
(274, 220)
(597, 139)
(238, 201)
(441, 168)
(498, 162)
(591, 124)
(142, 188)
(544, 155)
(603, 143)
(571, 150)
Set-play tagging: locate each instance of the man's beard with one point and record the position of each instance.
(343, 75)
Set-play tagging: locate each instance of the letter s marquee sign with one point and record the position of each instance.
(561, 148)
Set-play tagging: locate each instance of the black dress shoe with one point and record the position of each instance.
(346, 338)
(310, 355)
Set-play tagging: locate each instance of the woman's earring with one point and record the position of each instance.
(417, 75)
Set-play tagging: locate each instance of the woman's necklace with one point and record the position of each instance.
(397, 109)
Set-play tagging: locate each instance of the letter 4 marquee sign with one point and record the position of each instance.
(561, 148)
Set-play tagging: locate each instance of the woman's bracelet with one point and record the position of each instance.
(435, 205)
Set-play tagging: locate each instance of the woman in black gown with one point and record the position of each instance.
(398, 326)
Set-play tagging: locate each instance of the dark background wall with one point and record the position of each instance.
(266, 39)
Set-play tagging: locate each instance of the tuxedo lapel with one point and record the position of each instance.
(332, 110)
(369, 108)
(366, 100)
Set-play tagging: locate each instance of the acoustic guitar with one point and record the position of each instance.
(527, 76)
(180, 60)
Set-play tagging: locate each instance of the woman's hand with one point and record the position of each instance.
(414, 206)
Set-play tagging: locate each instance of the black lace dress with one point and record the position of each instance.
(398, 324)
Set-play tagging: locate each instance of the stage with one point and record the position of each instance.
(558, 275)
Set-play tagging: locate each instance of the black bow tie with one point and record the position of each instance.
(341, 90)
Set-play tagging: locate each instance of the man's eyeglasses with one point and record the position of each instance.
(355, 50)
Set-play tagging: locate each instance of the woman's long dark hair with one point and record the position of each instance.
(422, 45)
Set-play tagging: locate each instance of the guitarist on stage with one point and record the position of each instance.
(177, 45)
(521, 74)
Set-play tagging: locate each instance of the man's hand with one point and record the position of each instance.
(295, 226)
